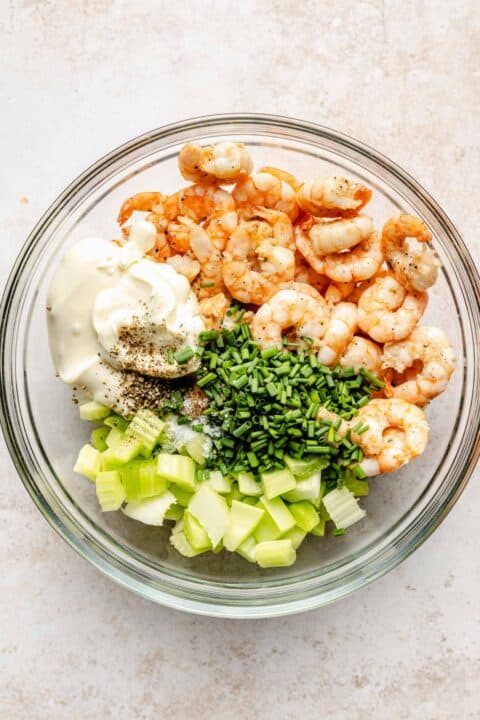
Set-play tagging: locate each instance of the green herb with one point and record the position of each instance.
(184, 355)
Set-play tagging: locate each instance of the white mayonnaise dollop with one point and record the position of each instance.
(112, 309)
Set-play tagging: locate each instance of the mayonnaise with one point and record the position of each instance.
(111, 309)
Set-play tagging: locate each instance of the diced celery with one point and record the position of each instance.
(250, 500)
(343, 508)
(266, 530)
(178, 469)
(151, 511)
(235, 494)
(183, 497)
(218, 548)
(174, 512)
(358, 487)
(247, 549)
(219, 482)
(199, 448)
(279, 512)
(211, 511)
(304, 468)
(306, 517)
(178, 527)
(88, 462)
(275, 553)
(141, 479)
(248, 485)
(109, 461)
(319, 529)
(278, 482)
(110, 490)
(296, 536)
(97, 438)
(181, 545)
(93, 411)
(114, 437)
(307, 489)
(146, 427)
(243, 521)
(127, 449)
(116, 421)
(194, 532)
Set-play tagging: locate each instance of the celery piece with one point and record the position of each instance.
(141, 479)
(151, 511)
(248, 485)
(178, 469)
(235, 494)
(358, 487)
(88, 462)
(243, 521)
(116, 421)
(93, 411)
(279, 512)
(127, 449)
(305, 468)
(275, 553)
(247, 549)
(110, 490)
(97, 438)
(194, 532)
(218, 548)
(174, 512)
(278, 482)
(266, 530)
(109, 461)
(183, 497)
(218, 482)
(319, 529)
(181, 545)
(114, 437)
(178, 527)
(343, 508)
(307, 489)
(250, 500)
(199, 448)
(296, 536)
(211, 511)
(145, 427)
(306, 517)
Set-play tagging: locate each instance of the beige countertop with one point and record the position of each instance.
(77, 79)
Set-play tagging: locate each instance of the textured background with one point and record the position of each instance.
(76, 79)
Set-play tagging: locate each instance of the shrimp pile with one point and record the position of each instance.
(311, 267)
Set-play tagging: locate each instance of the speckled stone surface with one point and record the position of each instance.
(77, 79)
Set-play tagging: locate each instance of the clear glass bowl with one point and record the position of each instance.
(43, 431)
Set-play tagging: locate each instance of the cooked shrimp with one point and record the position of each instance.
(266, 189)
(210, 281)
(224, 162)
(333, 197)
(200, 202)
(304, 273)
(185, 265)
(220, 227)
(341, 326)
(336, 292)
(397, 432)
(362, 353)
(213, 309)
(161, 206)
(289, 310)
(387, 312)
(429, 350)
(251, 246)
(301, 287)
(360, 263)
(281, 227)
(332, 236)
(404, 241)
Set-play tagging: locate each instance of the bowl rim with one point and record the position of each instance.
(112, 567)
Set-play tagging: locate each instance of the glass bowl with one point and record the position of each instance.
(43, 431)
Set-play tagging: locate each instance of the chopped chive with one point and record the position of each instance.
(184, 355)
